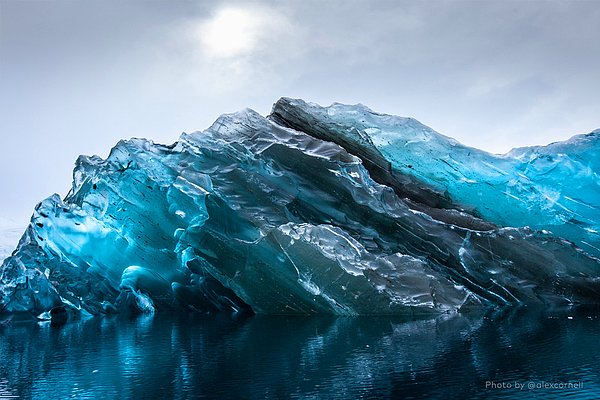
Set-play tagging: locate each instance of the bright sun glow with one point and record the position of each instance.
(231, 32)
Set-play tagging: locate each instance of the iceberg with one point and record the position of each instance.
(314, 210)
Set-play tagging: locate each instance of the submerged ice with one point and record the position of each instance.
(314, 210)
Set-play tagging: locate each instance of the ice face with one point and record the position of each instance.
(554, 188)
(313, 210)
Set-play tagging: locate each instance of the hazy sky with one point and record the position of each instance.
(77, 76)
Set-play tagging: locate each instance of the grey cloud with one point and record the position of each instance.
(75, 77)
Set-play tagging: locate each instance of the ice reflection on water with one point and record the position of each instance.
(314, 357)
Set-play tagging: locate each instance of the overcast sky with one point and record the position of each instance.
(77, 76)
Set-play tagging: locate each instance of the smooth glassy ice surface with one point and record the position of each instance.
(554, 187)
(299, 214)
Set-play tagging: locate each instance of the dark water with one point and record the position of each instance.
(188, 356)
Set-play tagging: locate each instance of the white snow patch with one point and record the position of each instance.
(10, 233)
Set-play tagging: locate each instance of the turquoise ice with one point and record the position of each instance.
(334, 210)
(554, 187)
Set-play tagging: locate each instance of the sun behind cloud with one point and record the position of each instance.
(233, 31)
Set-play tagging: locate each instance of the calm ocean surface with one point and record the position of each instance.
(191, 356)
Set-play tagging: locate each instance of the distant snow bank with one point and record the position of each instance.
(10, 233)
